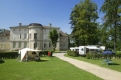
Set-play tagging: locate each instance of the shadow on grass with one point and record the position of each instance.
(1, 61)
(113, 64)
(42, 60)
(52, 56)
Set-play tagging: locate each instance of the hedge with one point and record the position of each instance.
(8, 55)
(102, 56)
(73, 53)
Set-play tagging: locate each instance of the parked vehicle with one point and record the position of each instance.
(74, 48)
(83, 50)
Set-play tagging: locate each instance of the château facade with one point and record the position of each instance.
(36, 36)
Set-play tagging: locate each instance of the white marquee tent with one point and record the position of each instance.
(27, 52)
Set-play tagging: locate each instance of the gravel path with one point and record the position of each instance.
(104, 73)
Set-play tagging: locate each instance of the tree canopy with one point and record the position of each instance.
(83, 22)
(87, 31)
(53, 35)
(112, 19)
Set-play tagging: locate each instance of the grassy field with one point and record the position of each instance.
(50, 68)
(98, 62)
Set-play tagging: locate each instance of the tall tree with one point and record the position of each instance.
(53, 35)
(111, 8)
(83, 22)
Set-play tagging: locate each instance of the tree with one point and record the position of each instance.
(112, 10)
(53, 35)
(83, 22)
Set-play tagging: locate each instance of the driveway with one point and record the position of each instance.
(104, 73)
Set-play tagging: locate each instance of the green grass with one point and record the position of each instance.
(98, 62)
(50, 68)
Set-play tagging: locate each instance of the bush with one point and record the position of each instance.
(8, 55)
(88, 56)
(1, 61)
(73, 53)
(103, 56)
(45, 53)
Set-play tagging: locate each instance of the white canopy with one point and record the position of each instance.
(22, 52)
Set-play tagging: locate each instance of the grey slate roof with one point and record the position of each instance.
(35, 24)
(62, 33)
(5, 33)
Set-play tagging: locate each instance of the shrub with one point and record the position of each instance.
(88, 56)
(73, 53)
(103, 56)
(8, 55)
(45, 53)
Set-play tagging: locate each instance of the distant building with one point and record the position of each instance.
(63, 40)
(35, 36)
(4, 39)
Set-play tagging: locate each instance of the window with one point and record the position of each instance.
(14, 44)
(7, 46)
(49, 45)
(63, 45)
(35, 45)
(19, 44)
(35, 35)
(60, 45)
(46, 36)
(19, 36)
(25, 36)
(45, 45)
(25, 44)
(19, 29)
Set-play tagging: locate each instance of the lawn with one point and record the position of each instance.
(98, 62)
(50, 68)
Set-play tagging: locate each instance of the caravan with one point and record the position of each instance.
(83, 50)
(74, 48)
(90, 49)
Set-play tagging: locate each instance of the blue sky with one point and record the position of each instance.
(57, 12)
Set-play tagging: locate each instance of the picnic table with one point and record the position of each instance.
(107, 61)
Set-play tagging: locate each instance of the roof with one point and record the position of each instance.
(35, 24)
(23, 26)
(49, 27)
(4, 33)
(62, 33)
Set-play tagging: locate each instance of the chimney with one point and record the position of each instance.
(20, 24)
(50, 25)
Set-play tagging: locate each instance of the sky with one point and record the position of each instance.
(56, 12)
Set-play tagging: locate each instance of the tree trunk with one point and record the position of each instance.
(115, 37)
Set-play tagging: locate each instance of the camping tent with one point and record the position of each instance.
(27, 53)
